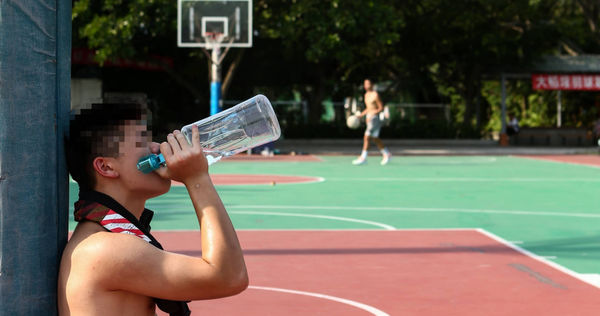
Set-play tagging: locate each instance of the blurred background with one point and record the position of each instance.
(436, 63)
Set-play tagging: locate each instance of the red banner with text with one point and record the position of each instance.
(565, 82)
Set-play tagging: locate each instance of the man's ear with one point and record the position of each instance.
(104, 167)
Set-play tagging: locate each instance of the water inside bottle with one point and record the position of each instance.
(220, 143)
(213, 156)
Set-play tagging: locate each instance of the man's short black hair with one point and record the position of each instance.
(96, 132)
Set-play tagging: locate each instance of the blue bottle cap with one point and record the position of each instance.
(150, 163)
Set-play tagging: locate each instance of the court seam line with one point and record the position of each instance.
(266, 159)
(320, 230)
(417, 209)
(530, 254)
(316, 180)
(432, 179)
(475, 159)
(313, 180)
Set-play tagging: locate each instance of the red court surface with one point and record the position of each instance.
(253, 179)
(588, 160)
(441, 272)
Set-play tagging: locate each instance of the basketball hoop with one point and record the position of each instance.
(215, 27)
(213, 39)
(197, 18)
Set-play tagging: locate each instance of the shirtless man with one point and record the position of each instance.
(374, 106)
(112, 265)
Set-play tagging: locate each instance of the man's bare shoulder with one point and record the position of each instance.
(95, 245)
(120, 262)
(98, 254)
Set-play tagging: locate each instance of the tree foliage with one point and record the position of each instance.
(432, 50)
(126, 28)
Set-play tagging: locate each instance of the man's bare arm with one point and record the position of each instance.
(128, 263)
(220, 247)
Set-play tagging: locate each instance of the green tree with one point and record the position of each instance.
(457, 44)
(336, 43)
(433, 50)
(339, 42)
(140, 30)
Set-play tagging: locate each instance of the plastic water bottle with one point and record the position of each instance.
(249, 124)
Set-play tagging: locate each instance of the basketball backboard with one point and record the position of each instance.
(199, 20)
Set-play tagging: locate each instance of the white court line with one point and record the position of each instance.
(319, 230)
(468, 179)
(352, 230)
(414, 209)
(268, 182)
(539, 258)
(316, 180)
(346, 219)
(458, 161)
(591, 278)
(362, 306)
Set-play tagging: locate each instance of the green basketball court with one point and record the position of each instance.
(548, 208)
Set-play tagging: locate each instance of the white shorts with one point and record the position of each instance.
(373, 125)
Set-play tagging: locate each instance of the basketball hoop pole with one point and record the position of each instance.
(216, 58)
(215, 82)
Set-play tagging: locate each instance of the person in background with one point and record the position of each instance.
(373, 107)
(512, 126)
